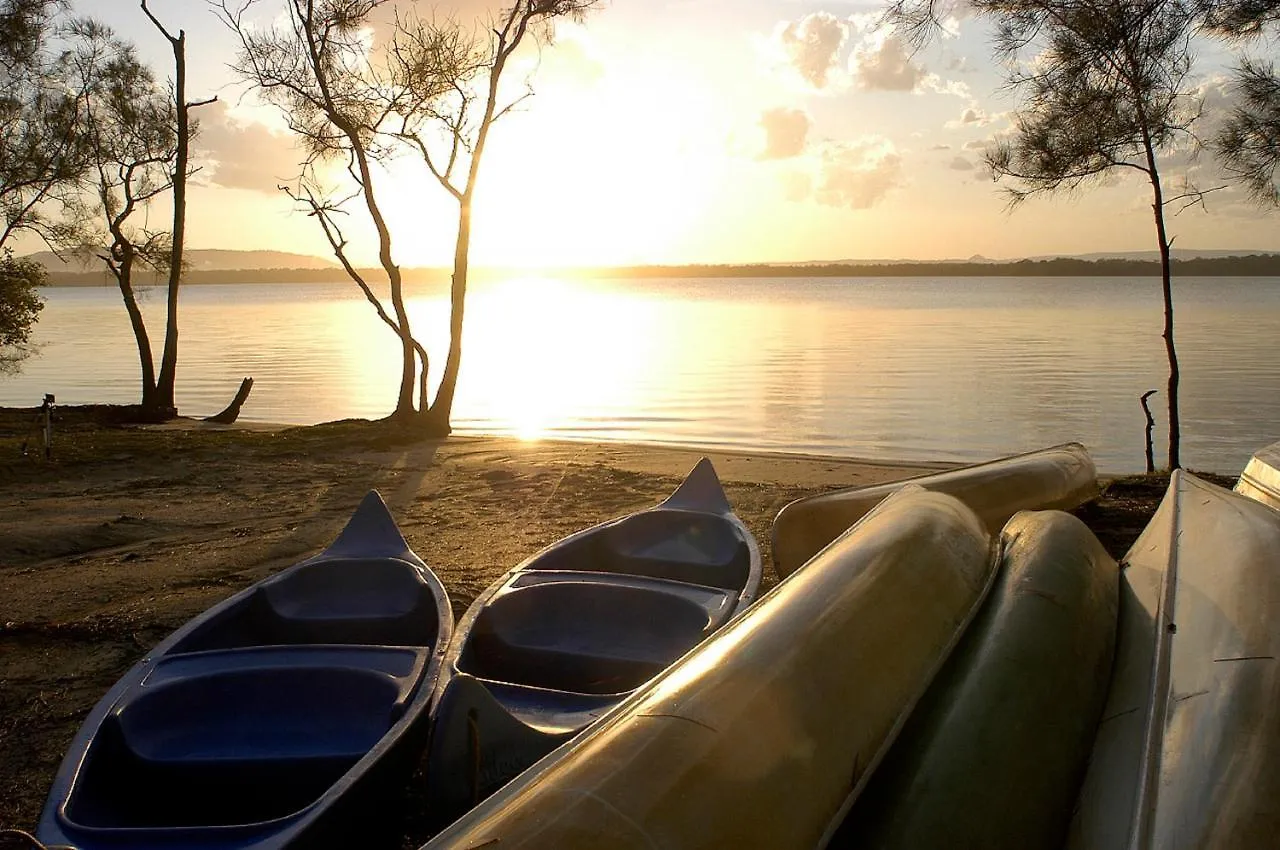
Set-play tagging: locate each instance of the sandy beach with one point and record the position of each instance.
(128, 532)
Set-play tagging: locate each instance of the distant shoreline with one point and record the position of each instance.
(1257, 265)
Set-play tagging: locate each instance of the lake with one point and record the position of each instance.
(892, 368)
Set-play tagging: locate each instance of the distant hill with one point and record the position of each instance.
(197, 259)
(1174, 253)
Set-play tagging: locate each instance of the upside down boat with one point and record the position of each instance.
(1060, 477)
(1188, 751)
(993, 755)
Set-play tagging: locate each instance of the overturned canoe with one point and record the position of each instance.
(1188, 751)
(993, 755)
(1062, 477)
(569, 633)
(1260, 480)
(761, 736)
(268, 720)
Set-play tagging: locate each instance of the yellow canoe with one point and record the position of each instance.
(1188, 752)
(761, 736)
(993, 755)
(1060, 477)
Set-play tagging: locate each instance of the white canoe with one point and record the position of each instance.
(1260, 480)
(1061, 477)
(761, 736)
(1188, 751)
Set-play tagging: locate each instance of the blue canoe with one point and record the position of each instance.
(571, 632)
(269, 720)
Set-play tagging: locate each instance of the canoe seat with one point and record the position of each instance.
(582, 637)
(231, 747)
(383, 602)
(663, 543)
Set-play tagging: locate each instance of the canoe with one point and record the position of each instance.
(993, 755)
(271, 718)
(1061, 478)
(1188, 752)
(760, 736)
(1260, 480)
(570, 632)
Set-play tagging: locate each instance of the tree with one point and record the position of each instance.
(415, 51)
(167, 378)
(20, 306)
(318, 71)
(359, 106)
(40, 162)
(1106, 93)
(1248, 143)
(129, 137)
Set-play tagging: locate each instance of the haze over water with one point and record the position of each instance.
(889, 368)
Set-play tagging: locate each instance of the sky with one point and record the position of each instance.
(699, 131)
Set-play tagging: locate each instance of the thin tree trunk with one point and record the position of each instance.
(1166, 282)
(442, 406)
(124, 275)
(169, 359)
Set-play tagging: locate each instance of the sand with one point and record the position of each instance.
(129, 532)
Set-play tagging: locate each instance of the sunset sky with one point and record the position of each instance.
(701, 131)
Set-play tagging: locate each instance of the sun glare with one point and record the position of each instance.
(541, 352)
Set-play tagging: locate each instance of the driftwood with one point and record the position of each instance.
(1151, 423)
(232, 411)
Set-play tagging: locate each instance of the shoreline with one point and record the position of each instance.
(129, 532)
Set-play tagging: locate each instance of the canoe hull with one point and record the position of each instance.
(1188, 754)
(1260, 480)
(994, 754)
(760, 736)
(1058, 478)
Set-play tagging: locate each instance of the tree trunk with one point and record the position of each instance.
(232, 411)
(437, 418)
(124, 275)
(169, 360)
(1166, 281)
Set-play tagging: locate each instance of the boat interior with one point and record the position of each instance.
(607, 611)
(280, 692)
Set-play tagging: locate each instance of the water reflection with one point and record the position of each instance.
(917, 369)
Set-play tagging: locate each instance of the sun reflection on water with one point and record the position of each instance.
(537, 350)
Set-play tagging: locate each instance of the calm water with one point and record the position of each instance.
(916, 368)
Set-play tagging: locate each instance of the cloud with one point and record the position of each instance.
(977, 144)
(785, 132)
(858, 174)
(811, 45)
(973, 115)
(240, 155)
(959, 163)
(882, 62)
(937, 85)
(940, 147)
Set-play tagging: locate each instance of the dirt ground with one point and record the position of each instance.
(128, 532)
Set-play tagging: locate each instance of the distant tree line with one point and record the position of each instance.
(1256, 265)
